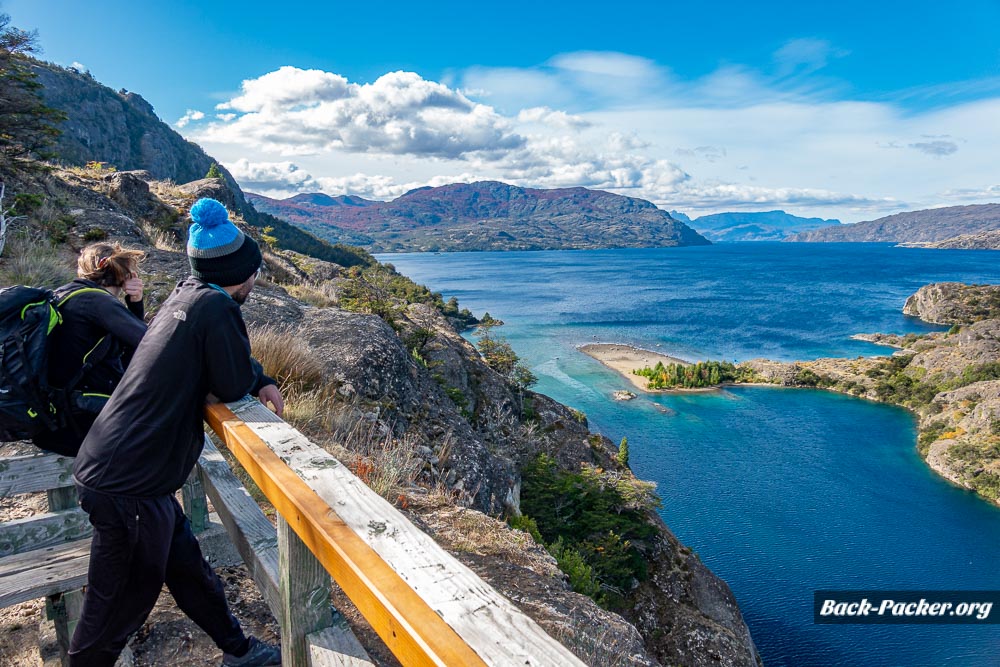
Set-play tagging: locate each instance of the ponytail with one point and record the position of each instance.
(108, 264)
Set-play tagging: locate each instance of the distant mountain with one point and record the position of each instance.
(759, 226)
(927, 226)
(680, 217)
(485, 216)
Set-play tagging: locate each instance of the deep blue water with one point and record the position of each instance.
(781, 492)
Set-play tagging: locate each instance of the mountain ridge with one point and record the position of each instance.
(451, 217)
(923, 226)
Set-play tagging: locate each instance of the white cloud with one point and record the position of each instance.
(79, 67)
(189, 115)
(804, 56)
(272, 176)
(556, 119)
(292, 111)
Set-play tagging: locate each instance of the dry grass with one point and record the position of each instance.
(287, 359)
(161, 239)
(385, 463)
(365, 445)
(322, 295)
(31, 260)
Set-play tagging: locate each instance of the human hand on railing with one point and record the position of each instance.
(271, 394)
(133, 288)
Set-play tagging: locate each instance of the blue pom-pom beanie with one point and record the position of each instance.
(218, 251)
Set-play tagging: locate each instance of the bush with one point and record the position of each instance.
(600, 518)
(527, 524)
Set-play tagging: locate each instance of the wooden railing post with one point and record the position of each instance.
(64, 609)
(304, 587)
(193, 500)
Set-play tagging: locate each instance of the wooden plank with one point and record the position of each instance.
(411, 629)
(336, 646)
(35, 574)
(43, 530)
(489, 623)
(305, 596)
(34, 472)
(66, 607)
(257, 542)
(250, 531)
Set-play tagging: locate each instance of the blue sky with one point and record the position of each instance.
(847, 110)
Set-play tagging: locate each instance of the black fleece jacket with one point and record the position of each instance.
(149, 435)
(88, 317)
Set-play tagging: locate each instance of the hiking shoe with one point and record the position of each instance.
(260, 654)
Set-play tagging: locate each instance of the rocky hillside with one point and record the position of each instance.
(375, 371)
(485, 216)
(928, 226)
(951, 381)
(954, 303)
(756, 226)
(982, 241)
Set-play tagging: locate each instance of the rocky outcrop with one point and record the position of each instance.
(119, 128)
(452, 217)
(954, 303)
(928, 226)
(989, 240)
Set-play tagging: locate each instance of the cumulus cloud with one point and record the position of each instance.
(189, 115)
(292, 111)
(79, 67)
(272, 176)
(556, 119)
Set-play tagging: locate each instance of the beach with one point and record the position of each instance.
(625, 359)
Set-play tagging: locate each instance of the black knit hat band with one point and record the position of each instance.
(231, 269)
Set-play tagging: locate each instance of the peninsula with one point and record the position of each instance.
(949, 380)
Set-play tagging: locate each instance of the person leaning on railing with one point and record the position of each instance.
(96, 339)
(146, 441)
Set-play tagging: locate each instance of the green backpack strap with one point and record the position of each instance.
(100, 350)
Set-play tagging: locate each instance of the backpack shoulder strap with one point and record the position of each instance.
(66, 296)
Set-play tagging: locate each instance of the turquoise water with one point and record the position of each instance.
(781, 492)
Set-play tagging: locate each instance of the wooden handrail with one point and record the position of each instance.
(428, 607)
(409, 627)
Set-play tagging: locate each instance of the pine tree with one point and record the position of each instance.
(214, 171)
(623, 452)
(27, 126)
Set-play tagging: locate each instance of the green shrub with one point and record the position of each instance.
(95, 234)
(581, 575)
(600, 518)
(527, 524)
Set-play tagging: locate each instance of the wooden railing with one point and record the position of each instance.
(427, 607)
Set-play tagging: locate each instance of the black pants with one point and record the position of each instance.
(140, 544)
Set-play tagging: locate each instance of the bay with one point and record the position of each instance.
(781, 492)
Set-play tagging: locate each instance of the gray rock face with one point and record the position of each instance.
(954, 303)
(119, 128)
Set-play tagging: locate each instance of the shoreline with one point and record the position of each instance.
(626, 358)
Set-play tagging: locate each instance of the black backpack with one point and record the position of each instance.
(28, 404)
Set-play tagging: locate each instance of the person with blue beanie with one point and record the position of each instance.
(145, 443)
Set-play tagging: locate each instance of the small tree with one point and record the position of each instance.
(214, 171)
(4, 219)
(27, 125)
(623, 452)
